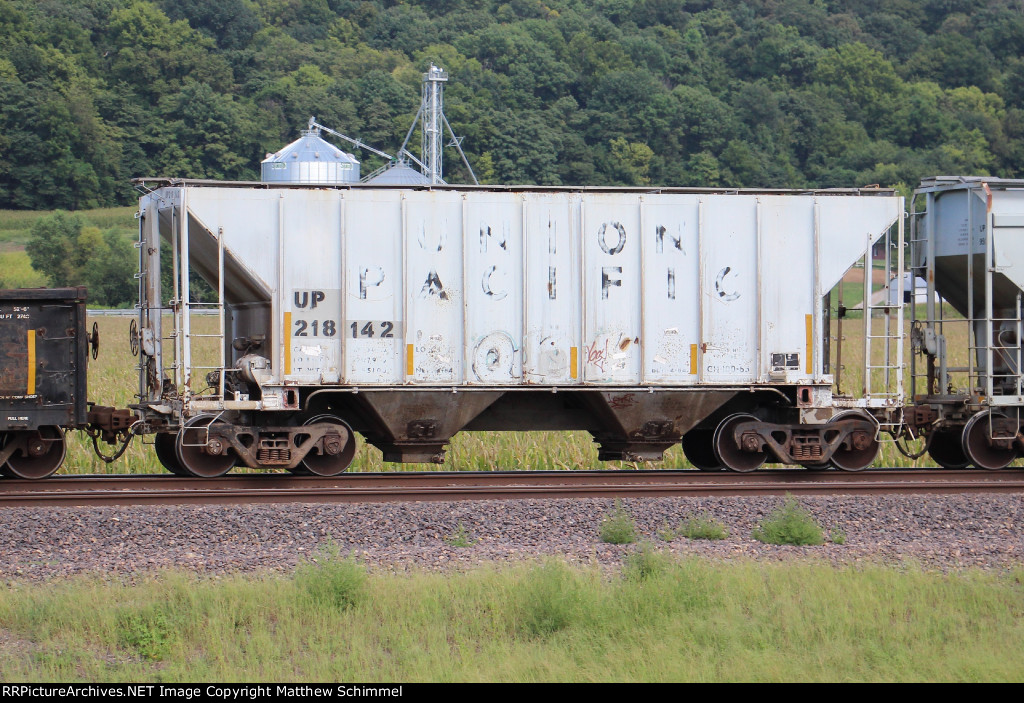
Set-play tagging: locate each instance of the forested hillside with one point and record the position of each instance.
(786, 93)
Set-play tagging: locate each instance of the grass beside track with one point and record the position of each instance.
(659, 619)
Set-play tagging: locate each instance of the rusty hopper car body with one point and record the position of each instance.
(43, 352)
(410, 314)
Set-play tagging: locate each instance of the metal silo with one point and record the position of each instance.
(310, 160)
(400, 174)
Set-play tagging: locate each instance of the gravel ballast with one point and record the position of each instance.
(936, 531)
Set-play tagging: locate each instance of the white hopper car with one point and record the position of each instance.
(647, 317)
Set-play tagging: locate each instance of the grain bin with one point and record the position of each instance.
(312, 161)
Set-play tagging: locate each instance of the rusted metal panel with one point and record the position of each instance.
(43, 350)
(415, 425)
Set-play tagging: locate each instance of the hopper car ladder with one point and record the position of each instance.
(186, 309)
(181, 342)
(883, 336)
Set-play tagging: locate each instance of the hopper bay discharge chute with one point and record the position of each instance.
(644, 316)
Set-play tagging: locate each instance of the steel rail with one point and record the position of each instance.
(453, 486)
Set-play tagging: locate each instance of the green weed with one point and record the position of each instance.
(147, 632)
(618, 526)
(645, 563)
(16, 271)
(460, 538)
(790, 523)
(549, 600)
(664, 620)
(332, 580)
(702, 526)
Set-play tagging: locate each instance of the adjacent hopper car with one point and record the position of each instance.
(647, 317)
(967, 244)
(43, 348)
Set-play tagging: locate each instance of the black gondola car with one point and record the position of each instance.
(43, 365)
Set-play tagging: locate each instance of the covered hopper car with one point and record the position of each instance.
(967, 391)
(646, 317)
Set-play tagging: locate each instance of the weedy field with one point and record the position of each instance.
(656, 619)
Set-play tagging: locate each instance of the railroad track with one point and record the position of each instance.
(451, 486)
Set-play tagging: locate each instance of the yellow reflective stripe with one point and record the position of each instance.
(574, 355)
(409, 362)
(287, 344)
(693, 359)
(31, 386)
(810, 344)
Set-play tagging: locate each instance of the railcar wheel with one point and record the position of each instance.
(43, 453)
(698, 450)
(947, 450)
(977, 448)
(730, 455)
(337, 456)
(864, 450)
(190, 444)
(166, 452)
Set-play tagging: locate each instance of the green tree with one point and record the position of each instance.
(632, 161)
(70, 253)
(52, 247)
(110, 271)
(861, 79)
